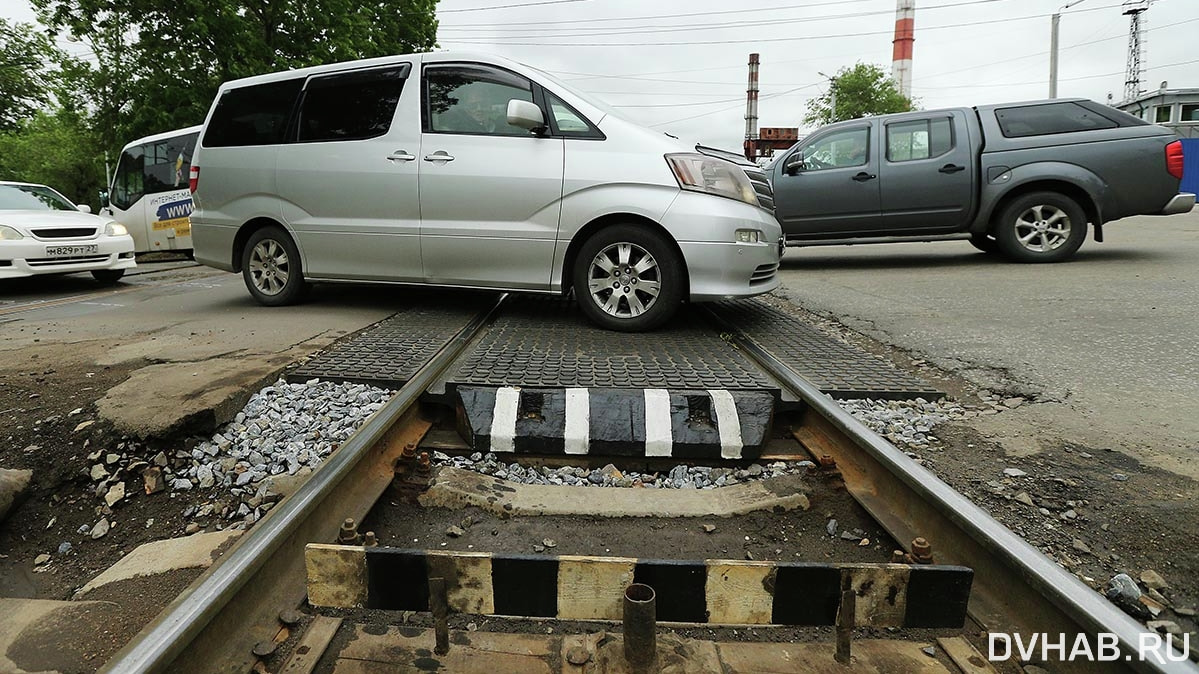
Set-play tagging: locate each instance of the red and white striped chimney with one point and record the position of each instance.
(901, 54)
(751, 109)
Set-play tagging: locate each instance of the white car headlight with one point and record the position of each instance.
(701, 173)
(9, 234)
(115, 229)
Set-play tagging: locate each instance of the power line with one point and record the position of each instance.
(714, 112)
(752, 40)
(646, 18)
(748, 23)
(519, 4)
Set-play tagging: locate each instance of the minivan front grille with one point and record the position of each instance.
(763, 274)
(762, 186)
(65, 233)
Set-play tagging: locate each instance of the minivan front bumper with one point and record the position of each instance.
(718, 265)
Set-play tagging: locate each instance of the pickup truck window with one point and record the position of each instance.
(1044, 120)
(843, 149)
(919, 139)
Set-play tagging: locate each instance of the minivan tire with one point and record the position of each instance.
(270, 266)
(108, 276)
(1044, 220)
(620, 299)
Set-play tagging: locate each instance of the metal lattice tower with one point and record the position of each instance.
(1136, 42)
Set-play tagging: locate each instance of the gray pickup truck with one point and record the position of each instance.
(1021, 179)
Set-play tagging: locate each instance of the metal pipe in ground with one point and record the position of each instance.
(640, 629)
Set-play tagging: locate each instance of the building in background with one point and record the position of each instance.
(1177, 109)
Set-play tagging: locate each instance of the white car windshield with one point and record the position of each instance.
(32, 198)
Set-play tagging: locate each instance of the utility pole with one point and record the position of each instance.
(1053, 22)
(832, 90)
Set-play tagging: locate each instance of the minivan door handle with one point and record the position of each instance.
(951, 168)
(440, 155)
(863, 177)
(402, 155)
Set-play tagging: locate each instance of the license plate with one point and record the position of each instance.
(72, 251)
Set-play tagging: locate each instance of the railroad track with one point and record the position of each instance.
(235, 616)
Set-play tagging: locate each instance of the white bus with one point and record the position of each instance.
(149, 192)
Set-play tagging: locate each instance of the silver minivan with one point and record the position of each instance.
(471, 171)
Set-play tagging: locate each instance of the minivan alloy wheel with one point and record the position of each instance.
(624, 280)
(1043, 228)
(269, 267)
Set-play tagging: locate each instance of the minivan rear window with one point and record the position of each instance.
(1043, 120)
(350, 106)
(253, 115)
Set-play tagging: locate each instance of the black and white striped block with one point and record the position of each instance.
(724, 592)
(705, 424)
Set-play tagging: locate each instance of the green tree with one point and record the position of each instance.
(158, 65)
(863, 90)
(27, 61)
(55, 148)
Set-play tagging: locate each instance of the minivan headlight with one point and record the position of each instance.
(115, 229)
(9, 234)
(701, 173)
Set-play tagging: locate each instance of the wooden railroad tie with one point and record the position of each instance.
(718, 592)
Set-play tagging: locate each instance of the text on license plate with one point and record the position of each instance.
(72, 251)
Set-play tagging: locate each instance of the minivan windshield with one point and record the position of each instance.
(589, 98)
(32, 198)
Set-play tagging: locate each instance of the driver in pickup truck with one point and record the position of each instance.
(856, 154)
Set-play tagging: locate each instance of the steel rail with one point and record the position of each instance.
(1078, 602)
(156, 647)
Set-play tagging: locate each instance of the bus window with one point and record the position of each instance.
(168, 163)
(128, 185)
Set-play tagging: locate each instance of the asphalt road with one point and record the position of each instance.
(1108, 342)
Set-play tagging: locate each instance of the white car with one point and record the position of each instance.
(42, 232)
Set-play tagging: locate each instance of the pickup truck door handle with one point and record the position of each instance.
(402, 155)
(440, 155)
(951, 168)
(863, 177)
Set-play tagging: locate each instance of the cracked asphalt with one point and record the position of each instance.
(1106, 342)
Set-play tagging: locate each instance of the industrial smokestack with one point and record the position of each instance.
(901, 54)
(751, 110)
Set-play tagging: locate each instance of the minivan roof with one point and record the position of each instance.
(365, 63)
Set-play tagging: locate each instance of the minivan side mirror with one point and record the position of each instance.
(795, 164)
(525, 115)
(84, 208)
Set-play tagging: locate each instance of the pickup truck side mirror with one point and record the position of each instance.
(795, 164)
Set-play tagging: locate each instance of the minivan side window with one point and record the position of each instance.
(567, 122)
(919, 139)
(350, 106)
(253, 115)
(472, 99)
(842, 149)
(1044, 120)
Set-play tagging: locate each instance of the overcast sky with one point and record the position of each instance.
(680, 65)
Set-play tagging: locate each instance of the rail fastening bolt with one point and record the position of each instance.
(423, 465)
(827, 461)
(369, 540)
(922, 551)
(409, 452)
(349, 532)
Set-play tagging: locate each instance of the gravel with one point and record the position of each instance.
(679, 477)
(905, 422)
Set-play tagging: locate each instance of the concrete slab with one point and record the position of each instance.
(13, 484)
(190, 552)
(458, 488)
(159, 400)
(38, 635)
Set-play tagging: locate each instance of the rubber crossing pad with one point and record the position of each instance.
(836, 368)
(684, 424)
(546, 342)
(390, 353)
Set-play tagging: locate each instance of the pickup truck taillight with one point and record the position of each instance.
(193, 177)
(1174, 159)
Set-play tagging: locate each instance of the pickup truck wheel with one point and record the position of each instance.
(271, 268)
(1041, 227)
(984, 242)
(628, 278)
